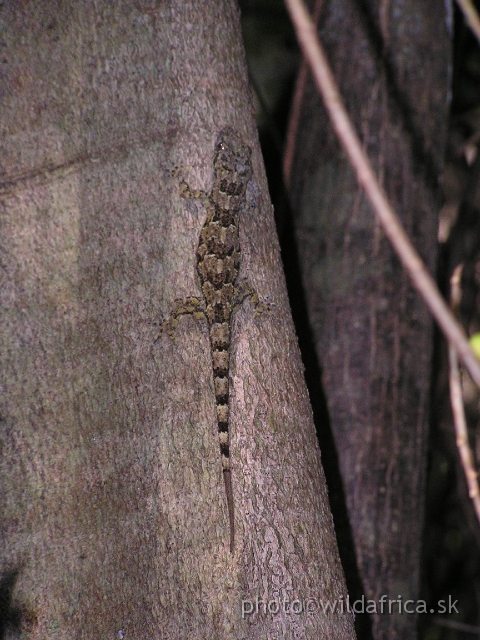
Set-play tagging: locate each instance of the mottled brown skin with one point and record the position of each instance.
(218, 260)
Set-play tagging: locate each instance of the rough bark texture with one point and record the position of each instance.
(114, 521)
(372, 332)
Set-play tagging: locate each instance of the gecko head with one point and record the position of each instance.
(232, 168)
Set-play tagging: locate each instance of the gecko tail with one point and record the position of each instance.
(227, 477)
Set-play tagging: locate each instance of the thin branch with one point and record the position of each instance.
(458, 626)
(293, 122)
(471, 16)
(458, 410)
(422, 280)
(297, 101)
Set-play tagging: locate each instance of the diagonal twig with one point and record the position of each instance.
(295, 111)
(458, 410)
(471, 16)
(421, 278)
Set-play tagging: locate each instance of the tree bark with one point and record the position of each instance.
(372, 332)
(114, 515)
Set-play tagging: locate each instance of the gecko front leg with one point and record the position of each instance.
(191, 306)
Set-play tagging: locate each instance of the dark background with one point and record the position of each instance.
(451, 543)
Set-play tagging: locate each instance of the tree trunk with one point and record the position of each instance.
(114, 513)
(371, 330)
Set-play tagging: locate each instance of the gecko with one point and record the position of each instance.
(218, 260)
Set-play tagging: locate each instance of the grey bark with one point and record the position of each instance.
(372, 332)
(114, 522)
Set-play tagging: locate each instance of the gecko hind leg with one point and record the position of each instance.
(191, 306)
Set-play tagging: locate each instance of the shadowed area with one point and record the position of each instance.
(10, 614)
(15, 618)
